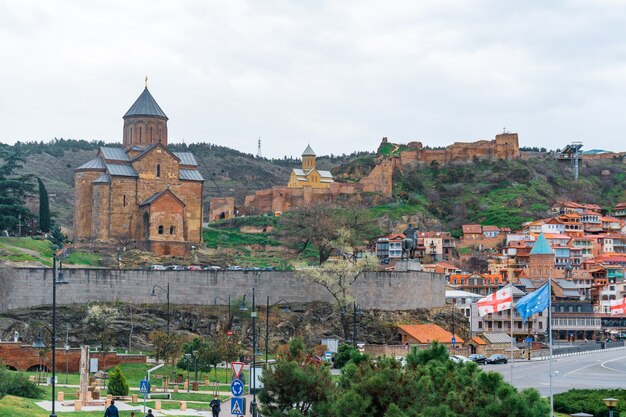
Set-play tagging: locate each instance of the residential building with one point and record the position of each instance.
(472, 231)
(411, 334)
(389, 246)
(462, 300)
(491, 231)
(482, 284)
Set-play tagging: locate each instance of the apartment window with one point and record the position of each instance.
(540, 325)
(172, 230)
(480, 324)
(161, 229)
(499, 325)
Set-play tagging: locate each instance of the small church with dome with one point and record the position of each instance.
(309, 175)
(141, 194)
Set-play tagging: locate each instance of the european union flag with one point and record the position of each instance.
(533, 302)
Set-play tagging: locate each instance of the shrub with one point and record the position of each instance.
(17, 384)
(117, 383)
(589, 401)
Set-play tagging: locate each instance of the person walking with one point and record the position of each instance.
(149, 413)
(215, 406)
(112, 411)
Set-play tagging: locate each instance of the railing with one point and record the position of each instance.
(581, 349)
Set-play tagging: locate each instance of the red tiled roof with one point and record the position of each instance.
(491, 229)
(428, 333)
(620, 205)
(471, 228)
(478, 340)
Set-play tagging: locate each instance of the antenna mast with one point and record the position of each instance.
(258, 150)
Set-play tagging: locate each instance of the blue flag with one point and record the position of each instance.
(533, 302)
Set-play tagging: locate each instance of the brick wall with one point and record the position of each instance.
(30, 287)
(23, 357)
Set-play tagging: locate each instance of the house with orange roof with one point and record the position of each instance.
(573, 225)
(482, 284)
(491, 231)
(389, 246)
(472, 231)
(620, 210)
(611, 224)
(424, 334)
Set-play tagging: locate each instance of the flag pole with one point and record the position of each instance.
(511, 315)
(550, 341)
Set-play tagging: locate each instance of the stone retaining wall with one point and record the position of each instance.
(31, 287)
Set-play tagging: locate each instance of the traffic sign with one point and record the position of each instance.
(237, 367)
(236, 387)
(453, 340)
(236, 406)
(144, 386)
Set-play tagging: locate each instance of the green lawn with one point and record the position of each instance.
(83, 258)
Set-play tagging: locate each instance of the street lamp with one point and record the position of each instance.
(611, 403)
(253, 313)
(230, 319)
(356, 311)
(268, 307)
(167, 291)
(39, 344)
(453, 321)
(195, 365)
(188, 357)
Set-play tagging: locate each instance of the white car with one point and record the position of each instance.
(459, 359)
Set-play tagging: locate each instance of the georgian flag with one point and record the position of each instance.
(618, 306)
(495, 302)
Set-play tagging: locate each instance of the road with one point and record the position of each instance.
(603, 369)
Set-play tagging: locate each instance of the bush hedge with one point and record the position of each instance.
(590, 401)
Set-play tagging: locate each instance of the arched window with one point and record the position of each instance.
(130, 140)
(140, 133)
(158, 171)
(150, 135)
(172, 230)
(454, 281)
(160, 229)
(124, 200)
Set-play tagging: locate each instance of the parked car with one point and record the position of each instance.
(194, 268)
(156, 268)
(234, 268)
(497, 358)
(212, 268)
(477, 357)
(460, 359)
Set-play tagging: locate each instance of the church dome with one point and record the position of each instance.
(145, 105)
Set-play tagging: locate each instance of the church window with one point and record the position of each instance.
(131, 135)
(150, 135)
(124, 200)
(160, 229)
(172, 230)
(158, 171)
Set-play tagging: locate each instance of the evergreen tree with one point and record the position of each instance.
(117, 383)
(13, 189)
(44, 207)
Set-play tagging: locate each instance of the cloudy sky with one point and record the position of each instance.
(337, 74)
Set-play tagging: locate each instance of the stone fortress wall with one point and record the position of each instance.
(31, 287)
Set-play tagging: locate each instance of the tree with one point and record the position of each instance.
(17, 384)
(295, 384)
(338, 277)
(57, 237)
(98, 322)
(13, 189)
(320, 226)
(44, 207)
(166, 346)
(117, 383)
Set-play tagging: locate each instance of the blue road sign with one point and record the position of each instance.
(236, 406)
(144, 386)
(453, 340)
(236, 387)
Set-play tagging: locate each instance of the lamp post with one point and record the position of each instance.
(167, 291)
(453, 308)
(67, 351)
(356, 310)
(611, 403)
(195, 365)
(268, 307)
(188, 357)
(39, 342)
(244, 307)
(226, 301)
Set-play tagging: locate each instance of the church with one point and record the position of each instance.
(309, 175)
(140, 195)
